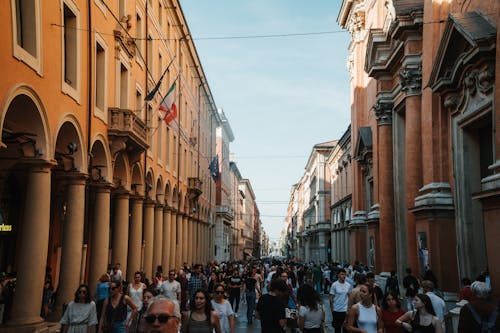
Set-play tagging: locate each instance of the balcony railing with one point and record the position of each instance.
(194, 187)
(226, 211)
(125, 124)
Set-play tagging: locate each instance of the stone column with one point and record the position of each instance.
(120, 231)
(191, 240)
(32, 258)
(135, 238)
(72, 242)
(178, 246)
(185, 243)
(166, 239)
(322, 246)
(173, 239)
(149, 207)
(387, 236)
(411, 82)
(99, 240)
(158, 237)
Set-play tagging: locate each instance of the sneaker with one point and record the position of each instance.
(235, 315)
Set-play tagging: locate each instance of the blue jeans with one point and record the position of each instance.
(317, 286)
(119, 327)
(250, 297)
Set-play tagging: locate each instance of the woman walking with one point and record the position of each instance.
(224, 310)
(311, 312)
(80, 315)
(147, 297)
(201, 318)
(421, 320)
(114, 311)
(365, 316)
(101, 293)
(391, 311)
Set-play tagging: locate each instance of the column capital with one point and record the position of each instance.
(121, 193)
(101, 186)
(136, 197)
(410, 78)
(36, 164)
(74, 177)
(383, 111)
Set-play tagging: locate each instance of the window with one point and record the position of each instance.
(26, 32)
(123, 87)
(160, 13)
(138, 103)
(100, 76)
(122, 12)
(70, 55)
(139, 42)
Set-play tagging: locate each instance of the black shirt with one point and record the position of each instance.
(271, 310)
(250, 283)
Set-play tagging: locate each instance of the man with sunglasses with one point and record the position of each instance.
(163, 316)
(171, 288)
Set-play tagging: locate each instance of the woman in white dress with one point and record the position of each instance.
(80, 315)
(135, 291)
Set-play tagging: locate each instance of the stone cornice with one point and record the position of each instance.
(382, 54)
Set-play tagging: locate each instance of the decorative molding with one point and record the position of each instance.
(383, 111)
(410, 79)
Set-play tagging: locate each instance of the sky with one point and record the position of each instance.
(281, 95)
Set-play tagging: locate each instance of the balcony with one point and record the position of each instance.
(225, 211)
(126, 126)
(194, 187)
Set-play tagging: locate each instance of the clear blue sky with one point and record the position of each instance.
(281, 95)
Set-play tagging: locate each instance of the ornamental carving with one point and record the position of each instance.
(410, 79)
(125, 43)
(383, 112)
(476, 89)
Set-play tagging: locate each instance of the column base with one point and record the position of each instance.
(43, 327)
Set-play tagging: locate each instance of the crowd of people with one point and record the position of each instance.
(284, 296)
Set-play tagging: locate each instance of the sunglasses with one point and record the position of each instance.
(113, 288)
(219, 292)
(162, 318)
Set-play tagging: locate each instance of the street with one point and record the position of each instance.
(243, 327)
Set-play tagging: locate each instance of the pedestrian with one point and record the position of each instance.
(171, 288)
(392, 284)
(270, 308)
(437, 302)
(141, 324)
(251, 291)
(311, 312)
(421, 320)
(114, 311)
(365, 316)
(391, 311)
(479, 311)
(466, 291)
(377, 291)
(80, 314)
(411, 285)
(223, 309)
(162, 316)
(339, 293)
(101, 293)
(201, 318)
(135, 291)
(47, 299)
(235, 283)
(116, 274)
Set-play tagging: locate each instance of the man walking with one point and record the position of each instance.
(171, 288)
(339, 292)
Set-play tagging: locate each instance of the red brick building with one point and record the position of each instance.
(425, 140)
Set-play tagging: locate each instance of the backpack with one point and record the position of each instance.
(484, 326)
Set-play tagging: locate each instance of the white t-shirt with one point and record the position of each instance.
(170, 289)
(224, 310)
(340, 291)
(312, 319)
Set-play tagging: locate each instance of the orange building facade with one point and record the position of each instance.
(90, 174)
(425, 142)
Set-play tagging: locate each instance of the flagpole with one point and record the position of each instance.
(153, 92)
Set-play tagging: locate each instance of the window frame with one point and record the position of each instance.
(35, 62)
(74, 92)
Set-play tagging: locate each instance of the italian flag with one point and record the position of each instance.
(168, 109)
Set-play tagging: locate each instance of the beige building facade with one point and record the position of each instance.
(90, 175)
